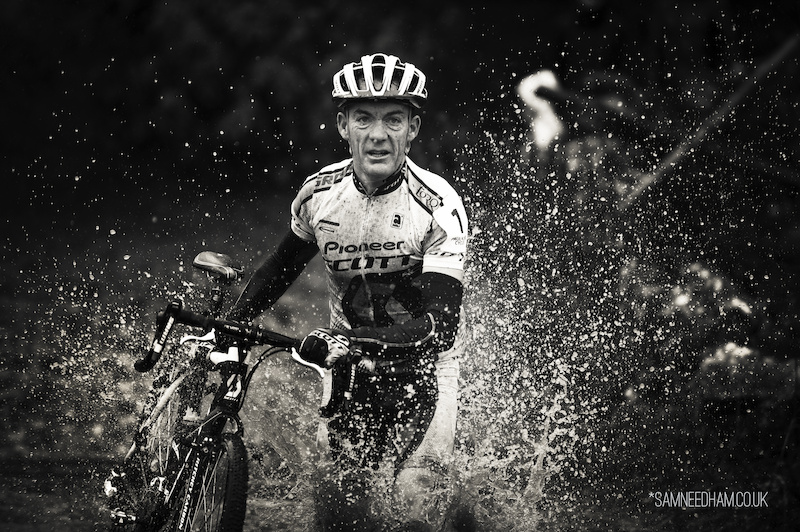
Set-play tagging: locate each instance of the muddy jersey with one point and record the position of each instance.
(374, 246)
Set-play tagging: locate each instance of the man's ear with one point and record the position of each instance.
(413, 127)
(341, 125)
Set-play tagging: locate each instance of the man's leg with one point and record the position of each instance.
(341, 499)
(421, 487)
(343, 478)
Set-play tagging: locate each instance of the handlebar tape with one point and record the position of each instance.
(164, 323)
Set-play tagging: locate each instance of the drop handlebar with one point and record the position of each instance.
(175, 313)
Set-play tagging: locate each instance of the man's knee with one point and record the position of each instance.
(421, 495)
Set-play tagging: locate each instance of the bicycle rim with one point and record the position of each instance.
(220, 495)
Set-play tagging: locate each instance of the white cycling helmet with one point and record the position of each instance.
(380, 77)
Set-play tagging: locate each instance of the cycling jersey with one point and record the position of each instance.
(394, 261)
(379, 247)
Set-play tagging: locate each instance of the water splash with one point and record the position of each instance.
(520, 415)
(570, 325)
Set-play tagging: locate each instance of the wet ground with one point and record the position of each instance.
(65, 495)
(51, 495)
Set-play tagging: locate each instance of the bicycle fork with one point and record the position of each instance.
(191, 490)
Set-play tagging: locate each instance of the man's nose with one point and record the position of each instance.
(378, 131)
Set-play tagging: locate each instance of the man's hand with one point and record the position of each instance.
(323, 347)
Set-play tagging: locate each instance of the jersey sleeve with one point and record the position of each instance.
(431, 333)
(301, 213)
(445, 246)
(269, 282)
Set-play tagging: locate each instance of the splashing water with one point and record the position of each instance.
(538, 334)
(576, 312)
(527, 395)
(558, 310)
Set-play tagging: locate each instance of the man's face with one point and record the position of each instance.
(378, 134)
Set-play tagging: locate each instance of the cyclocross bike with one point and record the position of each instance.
(187, 470)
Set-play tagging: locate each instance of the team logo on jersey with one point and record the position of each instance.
(397, 220)
(325, 181)
(365, 256)
(428, 198)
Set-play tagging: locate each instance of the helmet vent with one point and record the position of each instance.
(379, 73)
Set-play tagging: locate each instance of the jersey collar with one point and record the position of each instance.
(391, 184)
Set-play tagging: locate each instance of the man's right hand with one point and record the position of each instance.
(323, 347)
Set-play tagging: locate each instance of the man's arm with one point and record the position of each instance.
(434, 331)
(440, 287)
(273, 277)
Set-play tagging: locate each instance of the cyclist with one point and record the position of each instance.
(393, 237)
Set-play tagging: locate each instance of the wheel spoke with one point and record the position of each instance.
(211, 501)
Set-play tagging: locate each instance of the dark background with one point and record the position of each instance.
(136, 133)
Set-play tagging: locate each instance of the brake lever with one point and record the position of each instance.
(164, 322)
(210, 336)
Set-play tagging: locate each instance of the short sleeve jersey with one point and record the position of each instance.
(374, 246)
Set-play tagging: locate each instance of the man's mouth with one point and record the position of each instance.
(378, 153)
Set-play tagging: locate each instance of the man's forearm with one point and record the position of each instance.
(434, 331)
(271, 280)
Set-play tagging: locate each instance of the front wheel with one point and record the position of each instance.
(154, 461)
(219, 500)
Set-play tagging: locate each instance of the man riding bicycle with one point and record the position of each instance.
(393, 237)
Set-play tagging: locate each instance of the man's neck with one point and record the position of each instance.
(371, 186)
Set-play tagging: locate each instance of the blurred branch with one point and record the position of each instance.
(671, 160)
(584, 110)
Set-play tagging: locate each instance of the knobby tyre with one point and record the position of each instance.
(219, 498)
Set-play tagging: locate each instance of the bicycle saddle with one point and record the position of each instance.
(218, 265)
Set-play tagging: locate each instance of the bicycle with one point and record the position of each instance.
(186, 471)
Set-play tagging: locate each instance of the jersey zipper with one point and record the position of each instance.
(362, 237)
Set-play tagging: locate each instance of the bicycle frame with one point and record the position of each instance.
(193, 454)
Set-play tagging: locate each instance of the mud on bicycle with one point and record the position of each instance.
(187, 466)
